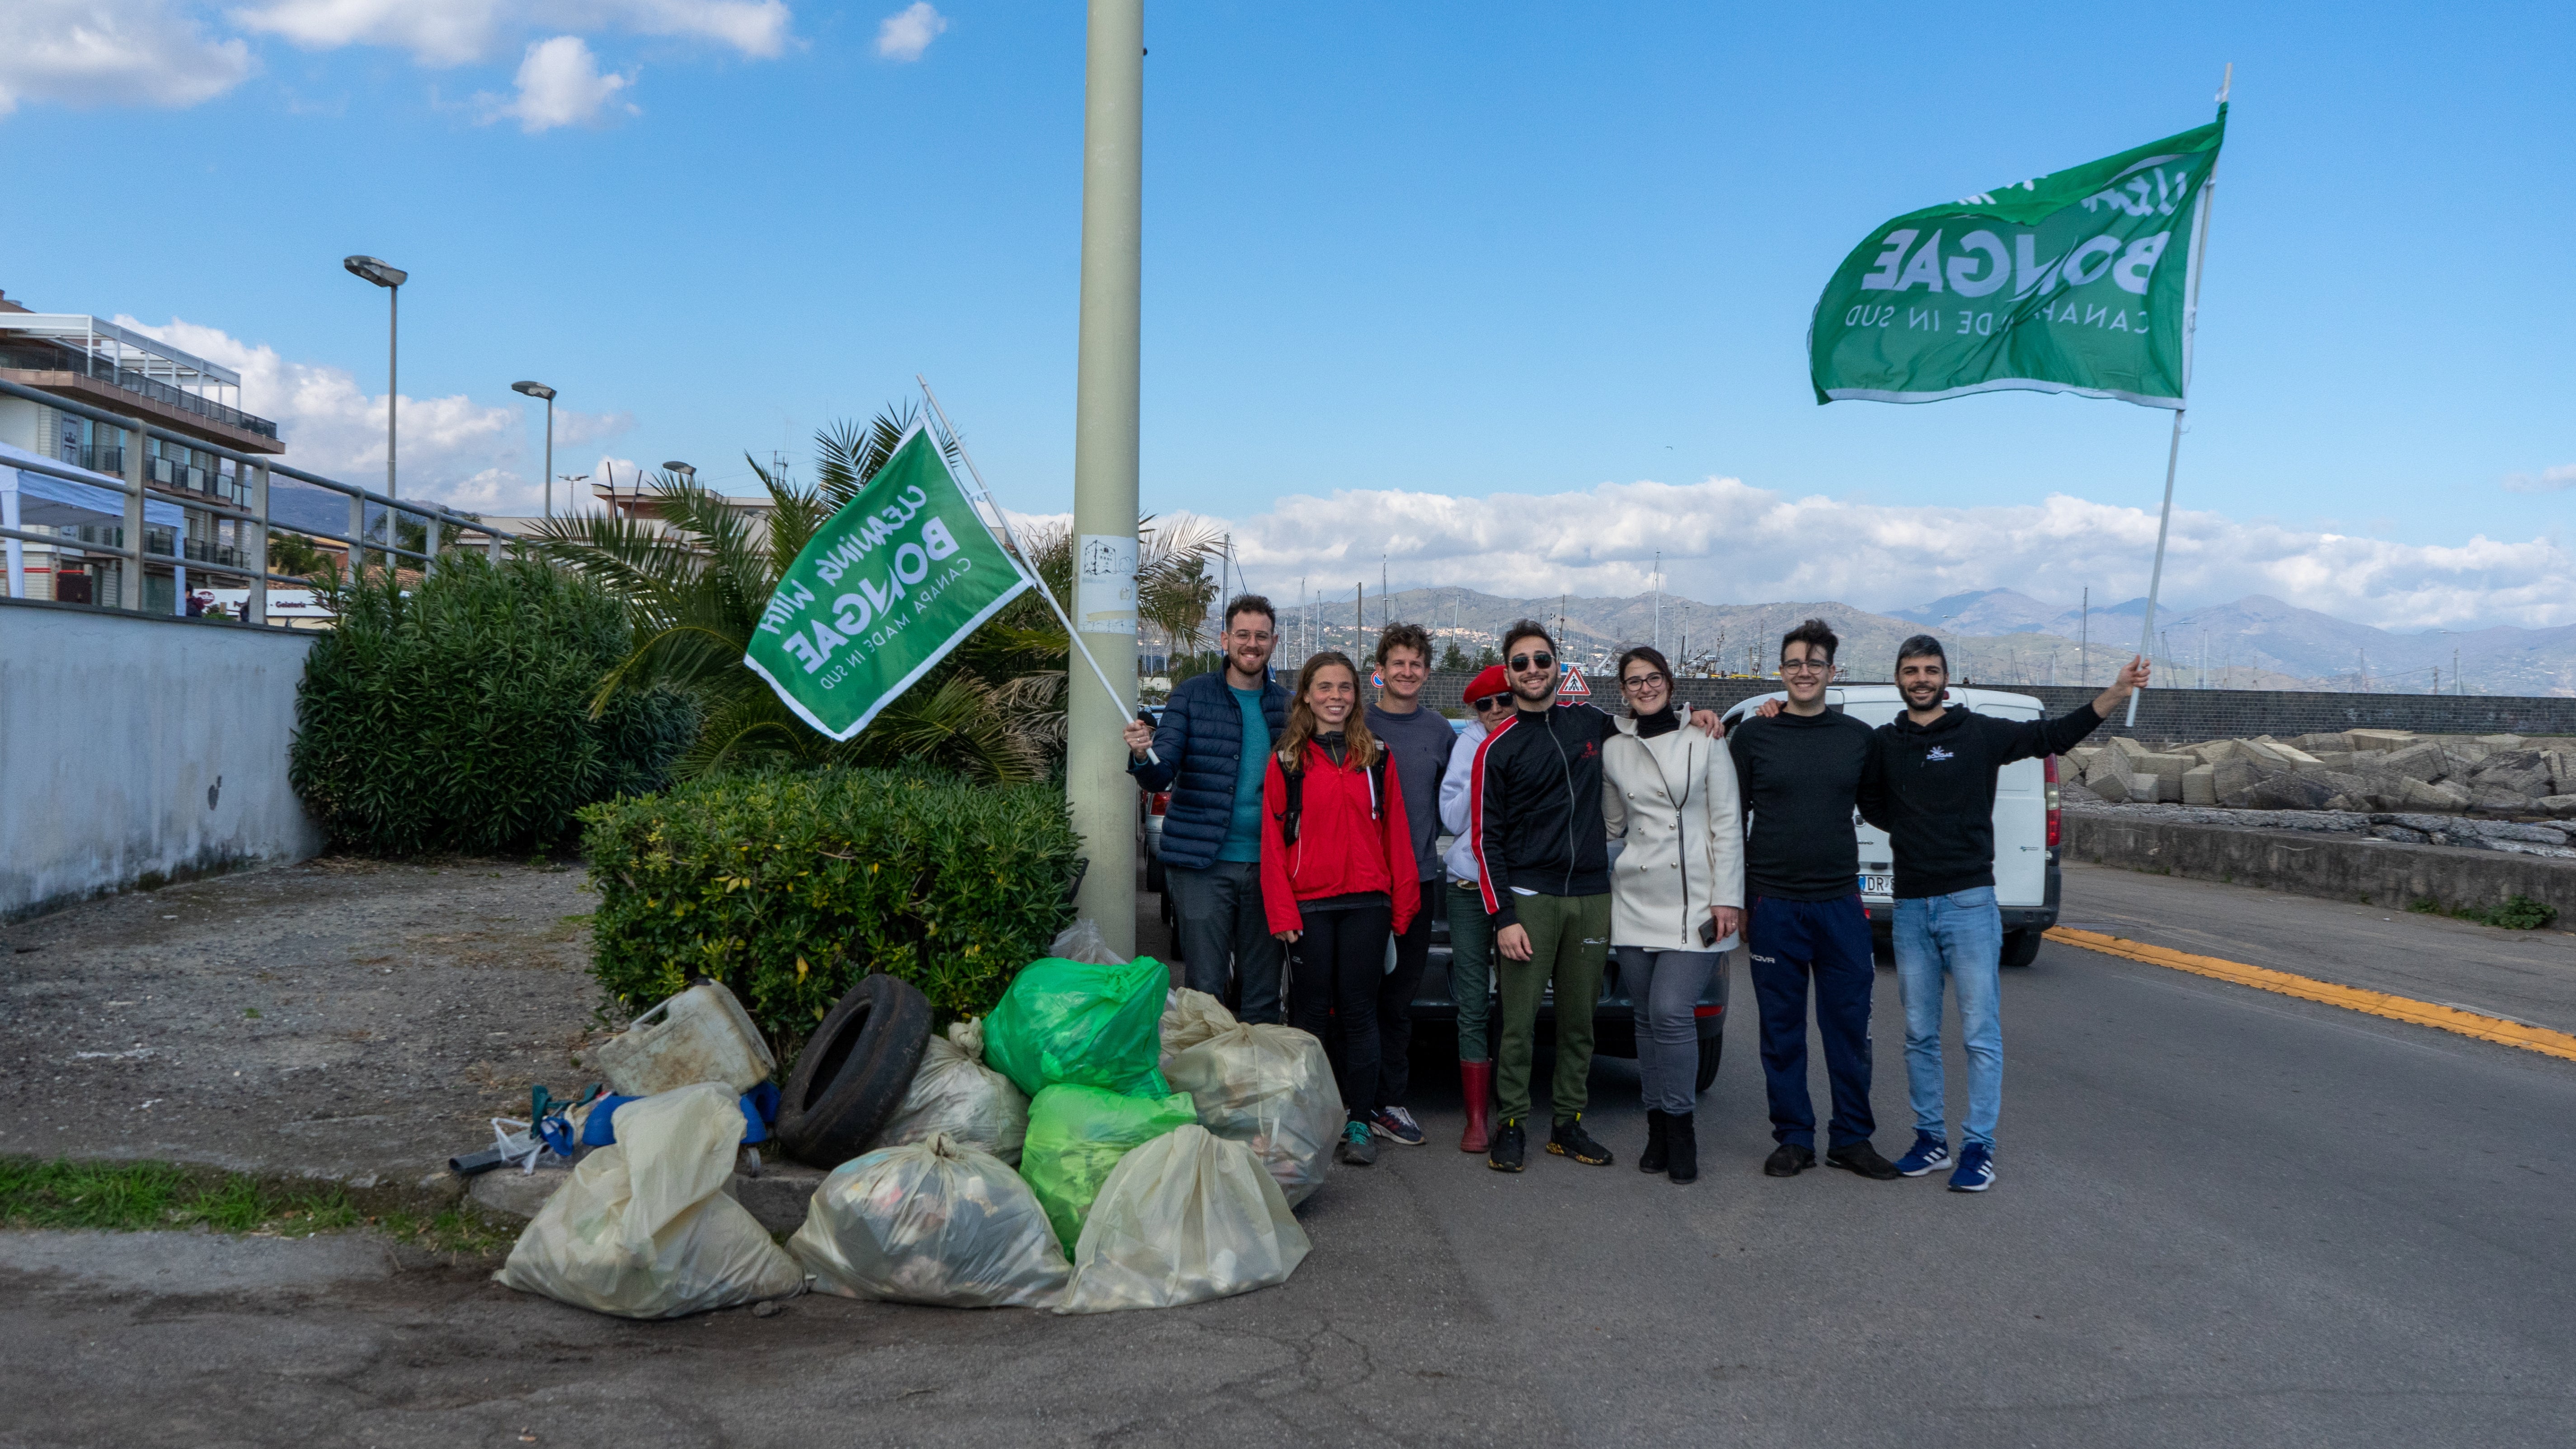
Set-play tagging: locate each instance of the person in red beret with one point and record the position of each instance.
(1471, 934)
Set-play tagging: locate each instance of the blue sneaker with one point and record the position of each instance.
(1976, 1169)
(1356, 1148)
(1929, 1154)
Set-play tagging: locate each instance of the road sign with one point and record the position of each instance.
(1570, 688)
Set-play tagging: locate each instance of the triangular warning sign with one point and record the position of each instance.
(1570, 686)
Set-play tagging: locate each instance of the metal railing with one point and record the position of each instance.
(126, 379)
(247, 559)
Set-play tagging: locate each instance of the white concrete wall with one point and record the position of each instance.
(137, 749)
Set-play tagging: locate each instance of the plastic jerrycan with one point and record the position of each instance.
(700, 1035)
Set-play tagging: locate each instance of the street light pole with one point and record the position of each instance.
(540, 390)
(1101, 798)
(391, 278)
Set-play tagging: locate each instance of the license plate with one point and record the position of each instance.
(1878, 885)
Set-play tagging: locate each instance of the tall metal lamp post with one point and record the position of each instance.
(540, 390)
(390, 277)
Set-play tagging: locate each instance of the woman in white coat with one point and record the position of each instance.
(1676, 894)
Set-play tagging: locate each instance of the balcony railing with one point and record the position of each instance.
(73, 360)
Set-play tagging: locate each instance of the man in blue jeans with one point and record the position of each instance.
(1214, 748)
(1938, 766)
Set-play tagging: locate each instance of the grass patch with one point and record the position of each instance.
(128, 1196)
(452, 1230)
(2518, 913)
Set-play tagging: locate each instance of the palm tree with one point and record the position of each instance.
(695, 586)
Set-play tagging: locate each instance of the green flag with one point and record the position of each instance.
(885, 589)
(2076, 281)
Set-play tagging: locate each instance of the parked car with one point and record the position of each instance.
(2027, 835)
(1614, 1015)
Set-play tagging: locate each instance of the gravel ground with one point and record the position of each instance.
(347, 1019)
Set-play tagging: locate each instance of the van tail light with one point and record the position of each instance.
(1161, 800)
(1708, 1011)
(2049, 773)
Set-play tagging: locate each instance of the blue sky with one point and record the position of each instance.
(1517, 293)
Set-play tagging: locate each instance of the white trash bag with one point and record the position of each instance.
(1190, 1017)
(1270, 1088)
(934, 1222)
(644, 1228)
(1082, 941)
(1185, 1218)
(954, 1092)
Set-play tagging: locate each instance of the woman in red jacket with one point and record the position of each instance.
(1334, 843)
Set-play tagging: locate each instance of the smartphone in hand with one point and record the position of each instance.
(1708, 933)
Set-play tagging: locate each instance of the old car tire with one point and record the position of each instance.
(2021, 947)
(1711, 1050)
(854, 1072)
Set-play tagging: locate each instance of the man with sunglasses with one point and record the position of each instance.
(1801, 773)
(1471, 931)
(1543, 872)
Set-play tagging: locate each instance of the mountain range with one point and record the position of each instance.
(1995, 636)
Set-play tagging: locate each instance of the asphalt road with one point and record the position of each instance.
(2224, 1217)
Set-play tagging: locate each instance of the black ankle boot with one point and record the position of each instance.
(1681, 1143)
(1657, 1132)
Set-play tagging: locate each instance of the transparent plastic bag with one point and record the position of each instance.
(1270, 1088)
(1075, 1021)
(644, 1229)
(954, 1093)
(1076, 1136)
(1185, 1218)
(934, 1222)
(1082, 941)
(1190, 1017)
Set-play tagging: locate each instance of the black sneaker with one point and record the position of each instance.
(1862, 1158)
(1788, 1160)
(1510, 1152)
(1657, 1153)
(1568, 1139)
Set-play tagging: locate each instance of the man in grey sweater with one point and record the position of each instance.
(1420, 740)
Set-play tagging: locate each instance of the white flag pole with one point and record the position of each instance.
(1072, 635)
(2173, 450)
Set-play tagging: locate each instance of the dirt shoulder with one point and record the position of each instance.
(346, 1019)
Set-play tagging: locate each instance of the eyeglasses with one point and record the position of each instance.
(1806, 666)
(1642, 681)
(1491, 701)
(1533, 661)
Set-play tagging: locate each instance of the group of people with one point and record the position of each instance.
(1302, 833)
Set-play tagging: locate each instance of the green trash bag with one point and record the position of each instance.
(1074, 1022)
(1077, 1134)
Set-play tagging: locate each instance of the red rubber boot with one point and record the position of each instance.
(1476, 1084)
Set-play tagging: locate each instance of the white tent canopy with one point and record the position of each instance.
(42, 498)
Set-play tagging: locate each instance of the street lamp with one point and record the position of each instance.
(683, 469)
(391, 279)
(540, 390)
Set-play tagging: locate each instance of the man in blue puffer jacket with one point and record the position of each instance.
(1214, 748)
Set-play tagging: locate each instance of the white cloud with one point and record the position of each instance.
(456, 32)
(1724, 541)
(908, 32)
(112, 52)
(560, 84)
(2548, 480)
(469, 455)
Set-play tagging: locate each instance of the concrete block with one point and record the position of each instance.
(2501, 742)
(2168, 768)
(2318, 744)
(2562, 770)
(2076, 762)
(2230, 776)
(2127, 746)
(2437, 798)
(2425, 761)
(2516, 772)
(2274, 749)
(2380, 739)
(2199, 785)
(2289, 792)
(2332, 759)
(2556, 807)
(2465, 754)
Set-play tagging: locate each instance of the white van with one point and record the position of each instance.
(2026, 820)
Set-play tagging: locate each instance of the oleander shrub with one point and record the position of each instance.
(790, 885)
(457, 716)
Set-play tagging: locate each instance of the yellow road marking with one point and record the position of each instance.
(2351, 998)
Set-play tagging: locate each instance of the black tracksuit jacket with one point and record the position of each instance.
(1535, 807)
(1939, 806)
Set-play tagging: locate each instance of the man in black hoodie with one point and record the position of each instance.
(1938, 810)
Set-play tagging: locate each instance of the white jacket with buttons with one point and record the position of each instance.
(1461, 859)
(1673, 799)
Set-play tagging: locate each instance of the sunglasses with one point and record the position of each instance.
(1533, 661)
(1491, 701)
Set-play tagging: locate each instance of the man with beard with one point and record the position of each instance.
(1938, 809)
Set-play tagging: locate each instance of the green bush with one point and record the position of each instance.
(790, 886)
(457, 717)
